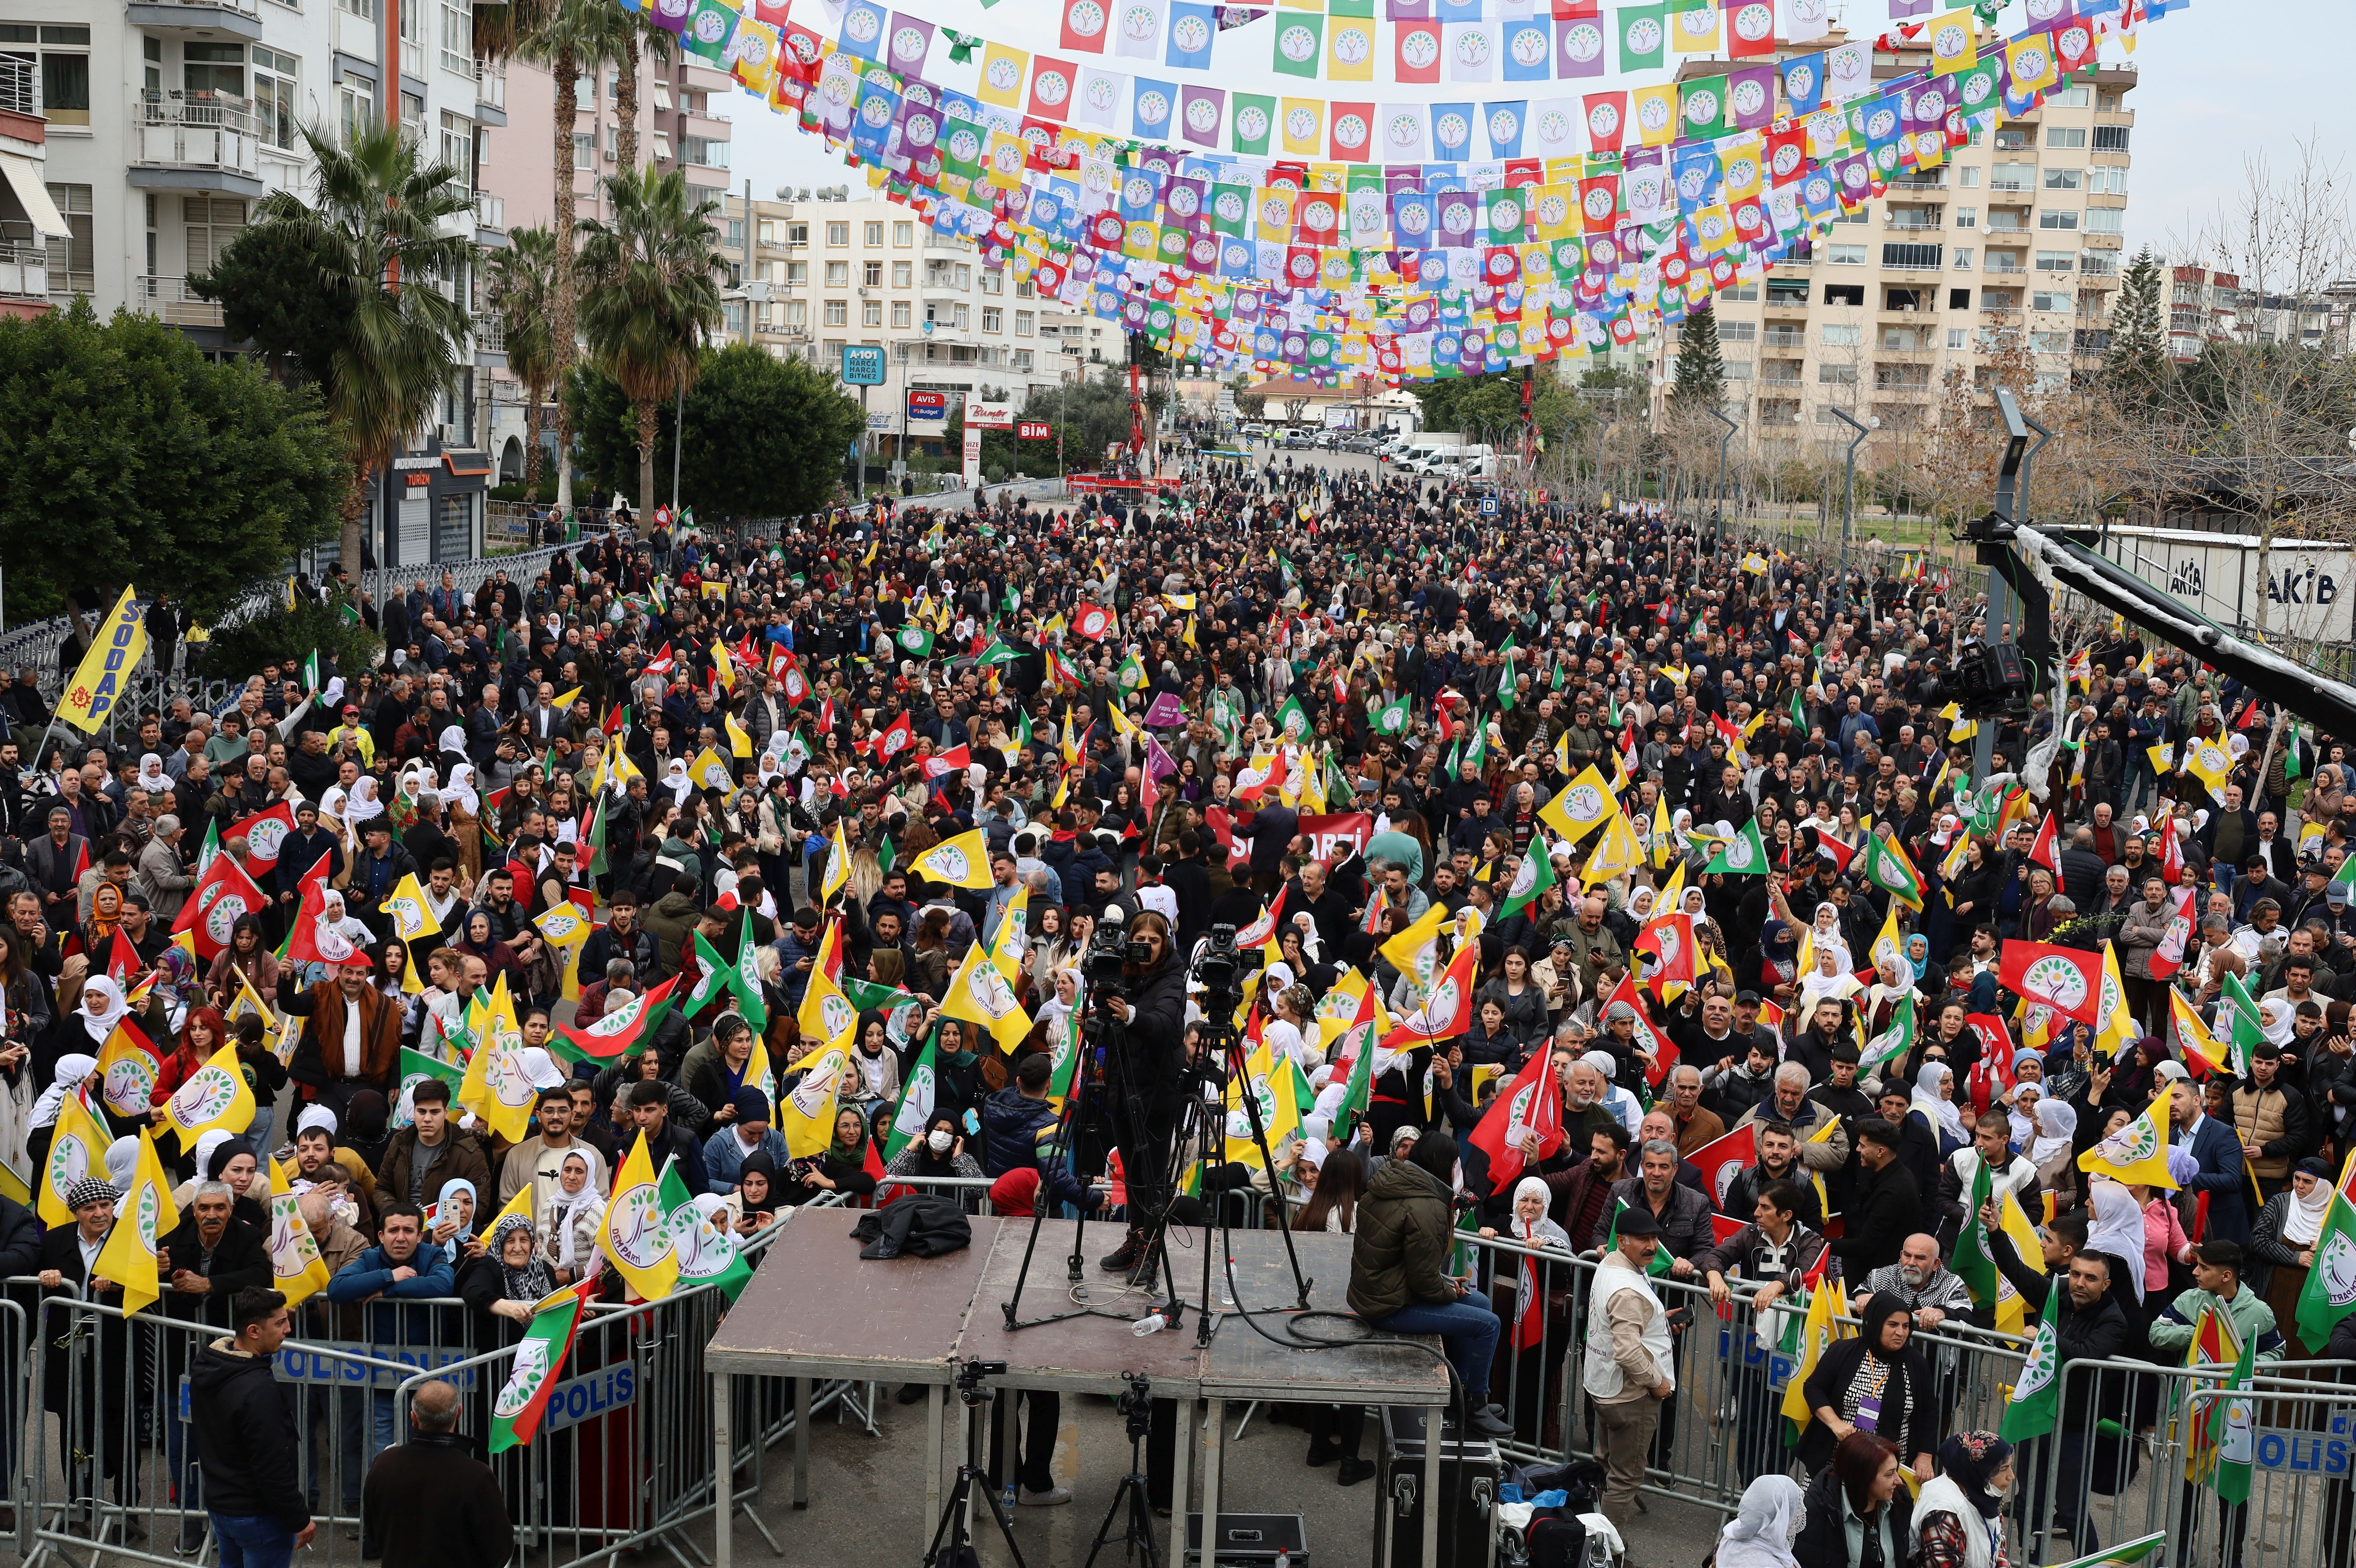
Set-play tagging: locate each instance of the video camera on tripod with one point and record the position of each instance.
(1105, 963)
(1220, 965)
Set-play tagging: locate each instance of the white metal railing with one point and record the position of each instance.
(491, 83)
(16, 86)
(169, 300)
(24, 270)
(490, 211)
(490, 331)
(197, 131)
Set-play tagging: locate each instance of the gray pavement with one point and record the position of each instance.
(867, 1496)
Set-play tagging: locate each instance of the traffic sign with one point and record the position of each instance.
(1488, 506)
(862, 365)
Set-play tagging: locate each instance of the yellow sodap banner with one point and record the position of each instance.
(114, 653)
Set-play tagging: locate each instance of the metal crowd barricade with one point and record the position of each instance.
(18, 1393)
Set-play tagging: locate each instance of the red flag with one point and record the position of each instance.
(1648, 1038)
(1670, 936)
(662, 663)
(1273, 784)
(955, 760)
(264, 832)
(892, 742)
(82, 862)
(121, 958)
(2046, 850)
(1532, 1102)
(1447, 1012)
(2171, 853)
(1529, 1308)
(221, 895)
(1091, 620)
(1991, 1075)
(2063, 978)
(617, 1034)
(1263, 930)
(303, 943)
(1722, 1158)
(2168, 956)
(1833, 850)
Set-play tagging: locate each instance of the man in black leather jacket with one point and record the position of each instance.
(1144, 1076)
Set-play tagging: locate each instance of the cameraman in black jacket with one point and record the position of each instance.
(1145, 1039)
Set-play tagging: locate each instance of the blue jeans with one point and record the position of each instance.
(1470, 1331)
(252, 1541)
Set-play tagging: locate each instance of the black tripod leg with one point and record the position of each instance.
(1005, 1525)
(1268, 1163)
(1012, 1306)
(952, 1523)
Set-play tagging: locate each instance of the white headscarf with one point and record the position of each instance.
(2118, 1227)
(2305, 1220)
(101, 1024)
(150, 774)
(676, 780)
(2057, 1126)
(563, 1206)
(363, 802)
(453, 739)
(461, 788)
(122, 1163)
(1761, 1533)
(1945, 1121)
(71, 1069)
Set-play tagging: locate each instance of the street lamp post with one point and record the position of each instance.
(1849, 501)
(1718, 519)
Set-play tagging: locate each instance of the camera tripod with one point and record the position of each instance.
(1219, 1034)
(955, 1531)
(1136, 1406)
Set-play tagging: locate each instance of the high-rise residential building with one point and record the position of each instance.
(31, 226)
(2014, 242)
(167, 120)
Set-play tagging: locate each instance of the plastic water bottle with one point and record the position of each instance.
(1283, 1557)
(1150, 1324)
(1010, 1498)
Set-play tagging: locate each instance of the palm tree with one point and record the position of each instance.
(375, 225)
(573, 39)
(522, 286)
(637, 34)
(653, 292)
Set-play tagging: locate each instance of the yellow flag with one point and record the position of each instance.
(722, 665)
(635, 1233)
(1615, 852)
(2119, 1027)
(563, 700)
(1890, 942)
(1816, 1339)
(405, 907)
(126, 1072)
(521, 1204)
(566, 930)
(2208, 762)
(214, 1095)
(739, 742)
(497, 1088)
(805, 1116)
(249, 1000)
(838, 866)
(1584, 805)
(296, 1269)
(961, 862)
(978, 993)
(1407, 950)
(827, 1016)
(1006, 947)
(708, 770)
(77, 1148)
(115, 647)
(1338, 1008)
(2136, 1152)
(1664, 834)
(143, 1217)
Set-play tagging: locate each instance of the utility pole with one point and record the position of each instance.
(1848, 505)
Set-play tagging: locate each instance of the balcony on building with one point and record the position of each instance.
(490, 92)
(168, 299)
(197, 141)
(216, 20)
(24, 270)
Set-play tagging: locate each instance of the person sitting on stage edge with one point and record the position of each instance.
(1399, 1270)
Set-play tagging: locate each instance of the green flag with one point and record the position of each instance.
(2037, 1396)
(540, 1357)
(2247, 1032)
(311, 671)
(705, 1250)
(914, 641)
(416, 1068)
(2329, 1294)
(998, 652)
(748, 977)
(1505, 678)
(1887, 867)
(209, 847)
(1661, 1262)
(1130, 675)
(901, 1010)
(717, 976)
(1391, 719)
(1893, 1041)
(2146, 1549)
(1744, 855)
(1532, 877)
(1291, 721)
(597, 864)
(1359, 1093)
(1972, 1263)
(2237, 1446)
(916, 1107)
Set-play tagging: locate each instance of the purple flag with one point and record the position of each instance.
(1166, 712)
(1157, 760)
(1900, 10)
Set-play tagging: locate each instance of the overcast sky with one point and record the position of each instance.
(2222, 80)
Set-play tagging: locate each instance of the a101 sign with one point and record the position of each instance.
(862, 366)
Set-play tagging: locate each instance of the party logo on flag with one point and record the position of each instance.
(2057, 981)
(209, 1091)
(636, 1232)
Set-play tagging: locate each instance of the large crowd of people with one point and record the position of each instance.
(1342, 698)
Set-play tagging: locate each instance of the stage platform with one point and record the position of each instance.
(815, 1310)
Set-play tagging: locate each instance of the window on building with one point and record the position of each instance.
(2048, 300)
(1842, 335)
(2050, 342)
(2057, 261)
(2065, 136)
(965, 278)
(837, 312)
(1963, 259)
(838, 275)
(796, 314)
(211, 223)
(1024, 291)
(900, 313)
(904, 274)
(1831, 374)
(992, 282)
(73, 204)
(993, 319)
(1741, 293)
(2051, 218)
(961, 317)
(1844, 293)
(2012, 176)
(458, 146)
(838, 234)
(215, 71)
(874, 234)
(871, 313)
(1737, 369)
(768, 231)
(584, 150)
(704, 150)
(870, 273)
(1969, 179)
(459, 40)
(2106, 221)
(1959, 299)
(735, 235)
(797, 236)
(1023, 321)
(1738, 331)
(1956, 337)
(1788, 291)
(1918, 258)
(1967, 217)
(798, 274)
(903, 235)
(2107, 179)
(2065, 180)
(2076, 96)
(1845, 255)
(277, 102)
(2111, 138)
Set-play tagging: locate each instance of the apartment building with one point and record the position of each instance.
(683, 122)
(2017, 239)
(30, 222)
(2206, 306)
(821, 272)
(167, 120)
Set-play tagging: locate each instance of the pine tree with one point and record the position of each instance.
(2136, 362)
(1701, 371)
